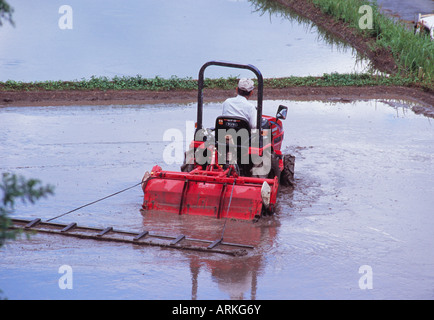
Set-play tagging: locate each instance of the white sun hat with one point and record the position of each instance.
(246, 84)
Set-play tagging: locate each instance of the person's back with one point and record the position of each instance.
(239, 106)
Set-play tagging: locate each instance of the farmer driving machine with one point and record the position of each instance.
(230, 170)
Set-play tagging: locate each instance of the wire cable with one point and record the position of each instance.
(227, 211)
(88, 204)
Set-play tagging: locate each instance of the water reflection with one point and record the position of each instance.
(235, 276)
(275, 9)
(163, 38)
(363, 196)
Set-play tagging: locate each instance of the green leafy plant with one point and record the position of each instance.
(15, 187)
(175, 83)
(6, 12)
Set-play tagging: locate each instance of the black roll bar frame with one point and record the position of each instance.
(200, 86)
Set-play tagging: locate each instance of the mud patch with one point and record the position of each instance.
(424, 100)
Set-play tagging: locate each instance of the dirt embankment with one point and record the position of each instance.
(93, 97)
(381, 59)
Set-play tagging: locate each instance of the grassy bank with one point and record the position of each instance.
(414, 55)
(175, 83)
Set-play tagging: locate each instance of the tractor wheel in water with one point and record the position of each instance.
(187, 167)
(275, 171)
(287, 175)
(268, 174)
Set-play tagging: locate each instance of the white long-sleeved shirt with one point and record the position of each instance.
(240, 107)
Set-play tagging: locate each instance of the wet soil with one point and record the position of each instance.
(125, 97)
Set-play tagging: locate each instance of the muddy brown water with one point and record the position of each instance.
(363, 197)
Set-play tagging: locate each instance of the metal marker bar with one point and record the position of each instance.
(69, 227)
(106, 230)
(141, 235)
(247, 246)
(178, 239)
(215, 243)
(82, 232)
(32, 223)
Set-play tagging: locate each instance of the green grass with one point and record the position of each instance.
(337, 79)
(103, 83)
(414, 55)
(118, 83)
(175, 83)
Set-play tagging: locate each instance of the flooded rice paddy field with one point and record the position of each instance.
(363, 197)
(163, 38)
(364, 170)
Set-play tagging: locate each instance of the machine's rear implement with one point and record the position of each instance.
(220, 193)
(142, 238)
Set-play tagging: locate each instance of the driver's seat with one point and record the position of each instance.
(231, 122)
(235, 128)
